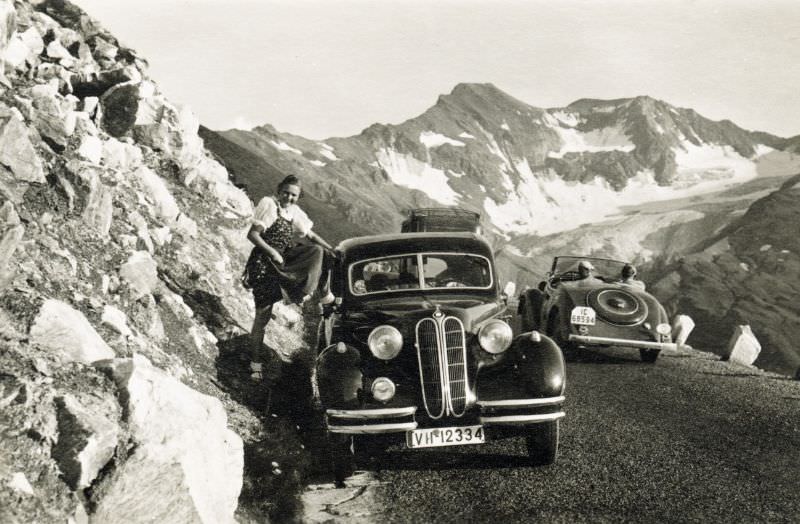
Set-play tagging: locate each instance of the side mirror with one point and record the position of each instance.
(510, 289)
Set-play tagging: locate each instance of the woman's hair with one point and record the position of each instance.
(290, 180)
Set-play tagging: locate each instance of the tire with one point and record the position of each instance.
(649, 355)
(530, 309)
(555, 329)
(342, 457)
(542, 443)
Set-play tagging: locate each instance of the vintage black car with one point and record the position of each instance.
(419, 348)
(598, 311)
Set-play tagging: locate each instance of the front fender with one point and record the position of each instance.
(339, 378)
(541, 364)
(534, 368)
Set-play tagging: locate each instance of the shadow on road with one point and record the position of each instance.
(430, 460)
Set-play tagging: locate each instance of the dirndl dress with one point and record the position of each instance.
(297, 277)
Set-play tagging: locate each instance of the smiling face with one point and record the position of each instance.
(288, 195)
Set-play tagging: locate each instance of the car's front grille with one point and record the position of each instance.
(442, 363)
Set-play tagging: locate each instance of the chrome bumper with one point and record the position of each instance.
(342, 420)
(607, 341)
(507, 412)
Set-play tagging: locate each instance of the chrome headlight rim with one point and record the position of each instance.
(383, 389)
(664, 329)
(385, 342)
(495, 336)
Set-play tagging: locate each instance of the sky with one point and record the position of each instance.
(323, 68)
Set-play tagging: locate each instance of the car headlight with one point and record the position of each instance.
(495, 336)
(663, 329)
(385, 342)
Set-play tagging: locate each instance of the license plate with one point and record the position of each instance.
(435, 437)
(583, 316)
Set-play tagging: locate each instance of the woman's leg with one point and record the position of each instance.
(257, 333)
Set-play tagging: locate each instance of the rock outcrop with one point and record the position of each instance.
(121, 240)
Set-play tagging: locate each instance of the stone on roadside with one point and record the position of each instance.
(682, 326)
(743, 346)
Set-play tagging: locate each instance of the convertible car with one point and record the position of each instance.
(418, 349)
(598, 311)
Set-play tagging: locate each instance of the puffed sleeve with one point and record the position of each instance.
(265, 213)
(302, 224)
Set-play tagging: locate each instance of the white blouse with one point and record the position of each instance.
(267, 210)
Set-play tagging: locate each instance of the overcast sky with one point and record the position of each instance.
(322, 68)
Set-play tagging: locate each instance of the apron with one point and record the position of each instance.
(297, 277)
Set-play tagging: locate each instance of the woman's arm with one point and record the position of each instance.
(254, 236)
(318, 240)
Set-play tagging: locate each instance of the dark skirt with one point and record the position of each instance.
(298, 276)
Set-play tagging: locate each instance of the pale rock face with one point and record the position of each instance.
(99, 208)
(140, 272)
(11, 233)
(19, 482)
(121, 157)
(187, 466)
(117, 319)
(165, 206)
(87, 438)
(743, 346)
(16, 150)
(66, 333)
(91, 149)
(54, 115)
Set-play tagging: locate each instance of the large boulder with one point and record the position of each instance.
(16, 150)
(186, 466)
(141, 273)
(87, 438)
(65, 332)
(743, 346)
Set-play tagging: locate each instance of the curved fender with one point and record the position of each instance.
(541, 364)
(339, 377)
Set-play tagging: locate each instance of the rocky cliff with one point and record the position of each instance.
(121, 240)
(747, 274)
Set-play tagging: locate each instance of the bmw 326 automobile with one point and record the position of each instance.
(418, 349)
(597, 311)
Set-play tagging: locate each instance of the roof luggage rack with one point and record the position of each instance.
(441, 219)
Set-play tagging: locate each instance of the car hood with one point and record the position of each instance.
(469, 310)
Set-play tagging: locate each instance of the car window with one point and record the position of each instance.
(438, 270)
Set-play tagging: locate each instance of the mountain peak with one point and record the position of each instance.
(486, 96)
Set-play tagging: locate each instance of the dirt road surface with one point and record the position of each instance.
(688, 439)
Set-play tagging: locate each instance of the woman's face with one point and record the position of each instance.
(288, 195)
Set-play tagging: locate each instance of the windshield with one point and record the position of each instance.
(420, 271)
(609, 269)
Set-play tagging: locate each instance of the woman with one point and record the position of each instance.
(277, 265)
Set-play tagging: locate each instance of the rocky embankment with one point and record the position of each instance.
(749, 274)
(121, 241)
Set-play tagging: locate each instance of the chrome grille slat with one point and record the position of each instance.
(442, 355)
(430, 367)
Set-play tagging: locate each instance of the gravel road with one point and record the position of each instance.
(687, 439)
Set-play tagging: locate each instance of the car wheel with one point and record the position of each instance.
(530, 309)
(649, 355)
(342, 457)
(555, 328)
(542, 443)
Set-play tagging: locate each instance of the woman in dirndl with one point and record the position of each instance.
(279, 268)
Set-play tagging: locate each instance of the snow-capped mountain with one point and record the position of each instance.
(582, 178)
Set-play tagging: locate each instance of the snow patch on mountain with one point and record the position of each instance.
(405, 170)
(318, 163)
(283, 146)
(544, 203)
(709, 166)
(430, 139)
(464, 134)
(574, 141)
(505, 126)
(327, 151)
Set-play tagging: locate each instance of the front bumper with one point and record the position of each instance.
(513, 412)
(623, 342)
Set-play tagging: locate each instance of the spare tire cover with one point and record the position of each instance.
(618, 306)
